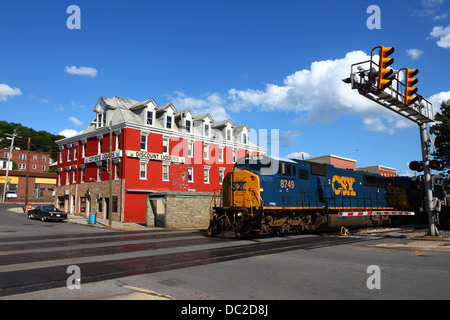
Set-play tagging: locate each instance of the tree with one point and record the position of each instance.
(441, 129)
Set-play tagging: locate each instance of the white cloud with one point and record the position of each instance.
(81, 71)
(316, 94)
(68, 133)
(75, 121)
(414, 53)
(298, 155)
(6, 91)
(442, 35)
(212, 104)
(438, 98)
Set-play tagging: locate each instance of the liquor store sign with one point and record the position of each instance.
(103, 156)
(153, 156)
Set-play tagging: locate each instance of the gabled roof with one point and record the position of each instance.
(222, 123)
(165, 107)
(203, 117)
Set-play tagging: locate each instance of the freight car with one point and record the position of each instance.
(265, 195)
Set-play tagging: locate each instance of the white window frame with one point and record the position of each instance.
(165, 175)
(143, 165)
(206, 170)
(206, 151)
(143, 134)
(100, 146)
(190, 125)
(99, 172)
(221, 175)
(152, 118)
(167, 122)
(166, 142)
(221, 153)
(190, 152)
(192, 174)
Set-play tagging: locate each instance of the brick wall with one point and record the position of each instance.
(180, 210)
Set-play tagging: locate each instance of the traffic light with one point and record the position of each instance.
(105, 165)
(384, 73)
(409, 89)
(416, 166)
(436, 165)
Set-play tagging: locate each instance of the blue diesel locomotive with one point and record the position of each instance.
(265, 195)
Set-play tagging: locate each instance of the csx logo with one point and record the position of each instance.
(343, 186)
(238, 185)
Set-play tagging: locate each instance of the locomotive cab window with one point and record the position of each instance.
(286, 169)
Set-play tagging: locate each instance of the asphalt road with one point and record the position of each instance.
(187, 265)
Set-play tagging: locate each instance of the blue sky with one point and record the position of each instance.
(271, 64)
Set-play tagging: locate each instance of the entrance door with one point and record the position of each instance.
(107, 207)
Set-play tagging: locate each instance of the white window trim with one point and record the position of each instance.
(221, 153)
(166, 138)
(208, 169)
(153, 118)
(171, 121)
(192, 175)
(143, 162)
(190, 143)
(143, 134)
(206, 149)
(166, 165)
(223, 175)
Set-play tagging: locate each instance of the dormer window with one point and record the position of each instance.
(228, 134)
(206, 129)
(244, 137)
(168, 122)
(188, 126)
(100, 120)
(150, 118)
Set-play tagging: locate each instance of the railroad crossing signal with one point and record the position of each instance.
(409, 89)
(384, 73)
(436, 165)
(416, 166)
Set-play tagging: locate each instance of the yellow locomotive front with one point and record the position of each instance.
(240, 209)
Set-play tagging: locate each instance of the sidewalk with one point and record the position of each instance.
(104, 223)
(419, 244)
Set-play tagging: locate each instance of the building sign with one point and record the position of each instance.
(104, 156)
(153, 156)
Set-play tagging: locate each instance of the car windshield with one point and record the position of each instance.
(49, 208)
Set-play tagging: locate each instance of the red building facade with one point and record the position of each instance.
(154, 149)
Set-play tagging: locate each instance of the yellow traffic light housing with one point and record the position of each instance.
(385, 73)
(409, 89)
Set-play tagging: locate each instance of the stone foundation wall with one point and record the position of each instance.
(179, 210)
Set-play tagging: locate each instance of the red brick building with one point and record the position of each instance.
(156, 149)
(38, 161)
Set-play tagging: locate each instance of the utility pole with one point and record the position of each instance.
(11, 137)
(432, 229)
(28, 171)
(110, 175)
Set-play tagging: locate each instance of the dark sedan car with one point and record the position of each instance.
(47, 213)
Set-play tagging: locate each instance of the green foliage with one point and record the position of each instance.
(41, 141)
(441, 129)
